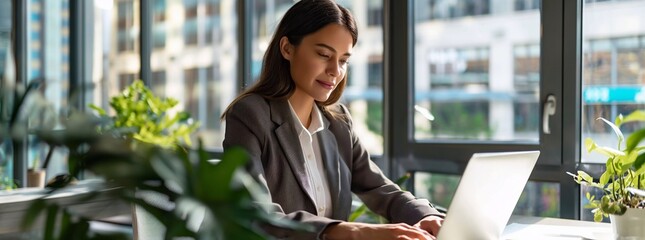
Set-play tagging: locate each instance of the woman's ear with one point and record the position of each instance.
(286, 49)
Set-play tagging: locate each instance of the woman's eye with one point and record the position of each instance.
(323, 55)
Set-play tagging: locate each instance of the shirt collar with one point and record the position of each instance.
(316, 124)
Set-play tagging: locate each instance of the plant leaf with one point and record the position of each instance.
(639, 163)
(357, 213)
(635, 116)
(50, 223)
(98, 109)
(609, 152)
(617, 131)
(628, 160)
(586, 177)
(604, 178)
(222, 173)
(634, 139)
(590, 145)
(32, 213)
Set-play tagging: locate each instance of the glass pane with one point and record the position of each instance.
(613, 72)
(206, 50)
(537, 199)
(363, 95)
(48, 60)
(115, 56)
(473, 88)
(6, 76)
(187, 63)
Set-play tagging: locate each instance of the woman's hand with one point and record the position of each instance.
(431, 224)
(351, 230)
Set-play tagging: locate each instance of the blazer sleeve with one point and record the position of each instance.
(380, 194)
(246, 127)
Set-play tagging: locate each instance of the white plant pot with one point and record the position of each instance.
(629, 226)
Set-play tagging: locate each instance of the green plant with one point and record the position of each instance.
(145, 117)
(185, 178)
(156, 161)
(624, 174)
(463, 120)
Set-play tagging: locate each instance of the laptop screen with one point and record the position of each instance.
(487, 194)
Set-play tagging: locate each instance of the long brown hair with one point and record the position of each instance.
(303, 18)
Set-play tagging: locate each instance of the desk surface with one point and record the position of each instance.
(14, 203)
(523, 227)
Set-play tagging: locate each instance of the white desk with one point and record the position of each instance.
(522, 227)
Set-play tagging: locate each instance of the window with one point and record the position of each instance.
(158, 24)
(190, 24)
(613, 67)
(451, 9)
(190, 32)
(523, 5)
(264, 21)
(526, 68)
(125, 79)
(375, 74)
(375, 13)
(453, 75)
(213, 34)
(125, 25)
(158, 83)
(459, 68)
(115, 63)
(526, 82)
(476, 88)
(191, 92)
(48, 60)
(198, 63)
(364, 96)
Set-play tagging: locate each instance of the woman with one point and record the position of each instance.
(302, 146)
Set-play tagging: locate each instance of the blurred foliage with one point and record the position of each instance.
(147, 118)
(184, 178)
(159, 162)
(17, 106)
(460, 120)
(374, 120)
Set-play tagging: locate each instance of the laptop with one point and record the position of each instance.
(487, 194)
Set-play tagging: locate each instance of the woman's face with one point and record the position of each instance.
(319, 62)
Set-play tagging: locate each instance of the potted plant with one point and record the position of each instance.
(623, 180)
(36, 175)
(142, 116)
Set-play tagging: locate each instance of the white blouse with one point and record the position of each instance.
(313, 160)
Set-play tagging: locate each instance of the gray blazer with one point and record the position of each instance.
(265, 128)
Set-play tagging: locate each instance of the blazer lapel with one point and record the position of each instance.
(330, 158)
(288, 138)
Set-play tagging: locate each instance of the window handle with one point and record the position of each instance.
(549, 110)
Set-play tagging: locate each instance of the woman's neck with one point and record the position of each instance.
(302, 105)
